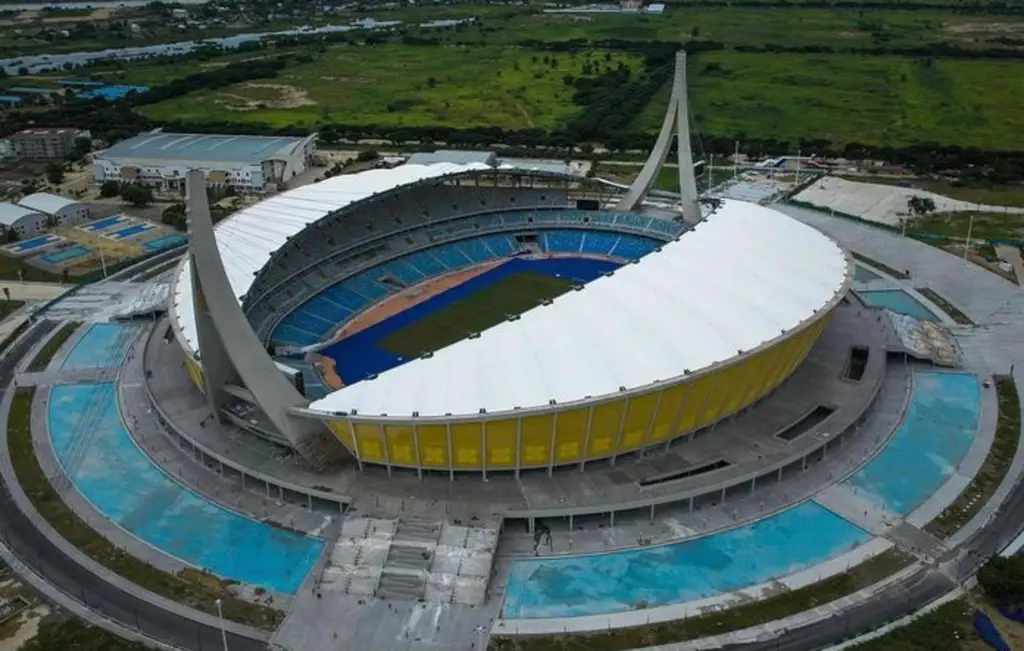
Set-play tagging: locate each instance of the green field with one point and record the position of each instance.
(856, 99)
(404, 85)
(514, 294)
(833, 27)
(847, 98)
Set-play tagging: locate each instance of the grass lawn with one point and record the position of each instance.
(845, 98)
(488, 307)
(733, 619)
(52, 345)
(403, 85)
(190, 588)
(9, 268)
(993, 470)
(947, 628)
(956, 225)
(70, 633)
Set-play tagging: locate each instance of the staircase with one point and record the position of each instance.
(409, 560)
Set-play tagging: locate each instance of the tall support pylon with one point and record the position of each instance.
(230, 351)
(677, 122)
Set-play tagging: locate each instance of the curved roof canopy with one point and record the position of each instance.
(247, 239)
(742, 278)
(45, 202)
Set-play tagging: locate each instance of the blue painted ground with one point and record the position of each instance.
(166, 242)
(118, 479)
(938, 430)
(899, 301)
(64, 255)
(130, 230)
(34, 243)
(105, 223)
(104, 345)
(782, 544)
(358, 356)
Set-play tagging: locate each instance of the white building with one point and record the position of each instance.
(23, 221)
(63, 210)
(246, 163)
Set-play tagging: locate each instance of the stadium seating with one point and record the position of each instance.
(343, 259)
(563, 241)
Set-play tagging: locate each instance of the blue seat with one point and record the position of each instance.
(323, 308)
(344, 297)
(602, 217)
(450, 256)
(563, 241)
(629, 219)
(426, 264)
(599, 243)
(633, 247)
(475, 250)
(665, 227)
(365, 284)
(291, 336)
(501, 245)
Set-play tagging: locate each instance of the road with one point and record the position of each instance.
(39, 553)
(918, 590)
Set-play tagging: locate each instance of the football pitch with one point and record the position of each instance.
(490, 306)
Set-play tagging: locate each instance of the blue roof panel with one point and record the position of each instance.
(202, 147)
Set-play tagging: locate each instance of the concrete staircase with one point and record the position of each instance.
(409, 560)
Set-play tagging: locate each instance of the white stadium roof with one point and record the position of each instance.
(248, 238)
(45, 202)
(738, 280)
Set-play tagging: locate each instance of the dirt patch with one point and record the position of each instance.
(349, 80)
(995, 29)
(22, 628)
(280, 96)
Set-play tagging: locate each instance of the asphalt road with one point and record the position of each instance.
(36, 551)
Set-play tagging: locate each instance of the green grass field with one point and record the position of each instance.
(403, 85)
(846, 98)
(514, 294)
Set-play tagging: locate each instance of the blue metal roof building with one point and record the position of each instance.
(203, 147)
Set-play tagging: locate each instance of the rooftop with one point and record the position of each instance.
(202, 147)
(744, 277)
(248, 238)
(45, 131)
(11, 213)
(45, 202)
(453, 156)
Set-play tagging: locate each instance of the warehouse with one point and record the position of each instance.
(248, 164)
(23, 221)
(62, 209)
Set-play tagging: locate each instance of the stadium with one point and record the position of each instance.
(465, 318)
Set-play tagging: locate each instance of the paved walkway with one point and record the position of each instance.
(1012, 255)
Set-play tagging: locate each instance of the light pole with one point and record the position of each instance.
(970, 229)
(220, 619)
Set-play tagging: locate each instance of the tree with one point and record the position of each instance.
(920, 206)
(137, 195)
(110, 189)
(81, 147)
(1003, 579)
(55, 173)
(367, 156)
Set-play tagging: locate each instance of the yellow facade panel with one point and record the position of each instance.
(639, 410)
(694, 403)
(343, 430)
(466, 442)
(370, 442)
(401, 444)
(571, 434)
(433, 441)
(536, 441)
(672, 400)
(604, 428)
(196, 373)
(502, 442)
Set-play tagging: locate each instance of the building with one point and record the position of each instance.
(23, 221)
(62, 209)
(454, 156)
(246, 163)
(46, 142)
